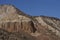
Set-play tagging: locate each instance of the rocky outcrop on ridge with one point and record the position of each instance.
(16, 25)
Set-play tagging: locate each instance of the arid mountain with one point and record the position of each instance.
(51, 23)
(16, 25)
(12, 20)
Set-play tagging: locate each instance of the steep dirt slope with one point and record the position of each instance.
(5, 35)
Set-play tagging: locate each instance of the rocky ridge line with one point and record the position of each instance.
(17, 22)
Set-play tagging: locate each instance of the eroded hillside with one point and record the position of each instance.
(17, 25)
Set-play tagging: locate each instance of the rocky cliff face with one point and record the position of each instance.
(51, 23)
(15, 25)
(12, 21)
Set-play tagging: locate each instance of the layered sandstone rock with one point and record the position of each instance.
(50, 23)
(13, 20)
(19, 26)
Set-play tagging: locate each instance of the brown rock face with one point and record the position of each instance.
(5, 35)
(15, 25)
(12, 22)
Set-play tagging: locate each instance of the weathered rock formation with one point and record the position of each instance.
(12, 20)
(15, 25)
(5, 35)
(50, 23)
